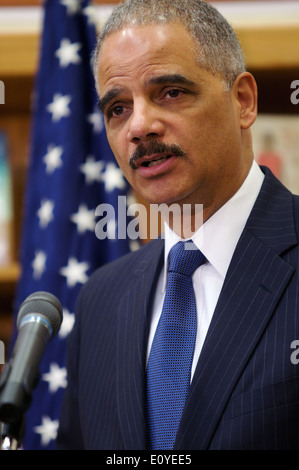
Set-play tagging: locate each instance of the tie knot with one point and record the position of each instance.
(185, 258)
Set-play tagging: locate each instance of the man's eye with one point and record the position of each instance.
(174, 93)
(116, 111)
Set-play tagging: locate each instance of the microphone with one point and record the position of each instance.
(39, 320)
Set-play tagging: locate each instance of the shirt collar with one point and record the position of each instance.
(219, 235)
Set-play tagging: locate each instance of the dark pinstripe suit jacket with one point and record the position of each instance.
(245, 392)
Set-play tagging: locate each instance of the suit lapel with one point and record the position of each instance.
(255, 281)
(132, 343)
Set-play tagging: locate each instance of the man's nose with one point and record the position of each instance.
(145, 122)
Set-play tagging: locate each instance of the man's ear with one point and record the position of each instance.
(245, 92)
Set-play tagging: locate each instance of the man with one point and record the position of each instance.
(178, 105)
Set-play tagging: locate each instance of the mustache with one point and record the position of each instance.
(154, 147)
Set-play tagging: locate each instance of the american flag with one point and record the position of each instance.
(71, 172)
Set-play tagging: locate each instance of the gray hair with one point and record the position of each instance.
(218, 48)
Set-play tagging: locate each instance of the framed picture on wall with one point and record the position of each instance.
(276, 145)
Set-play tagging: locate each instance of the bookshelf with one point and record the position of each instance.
(266, 48)
(270, 42)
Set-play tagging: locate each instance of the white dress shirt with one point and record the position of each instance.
(217, 239)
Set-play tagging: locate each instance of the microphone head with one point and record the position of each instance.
(45, 305)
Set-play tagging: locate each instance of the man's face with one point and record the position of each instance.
(153, 92)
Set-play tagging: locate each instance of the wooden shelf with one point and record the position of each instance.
(273, 47)
(9, 274)
(268, 40)
(18, 54)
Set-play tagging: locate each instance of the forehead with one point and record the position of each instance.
(141, 50)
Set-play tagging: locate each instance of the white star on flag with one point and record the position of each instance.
(90, 12)
(56, 377)
(113, 178)
(92, 170)
(68, 53)
(72, 6)
(45, 213)
(75, 272)
(48, 430)
(39, 264)
(52, 158)
(84, 219)
(67, 323)
(59, 107)
(134, 245)
(96, 120)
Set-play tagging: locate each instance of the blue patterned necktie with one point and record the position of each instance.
(170, 360)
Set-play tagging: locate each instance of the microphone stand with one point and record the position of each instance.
(12, 414)
(12, 434)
